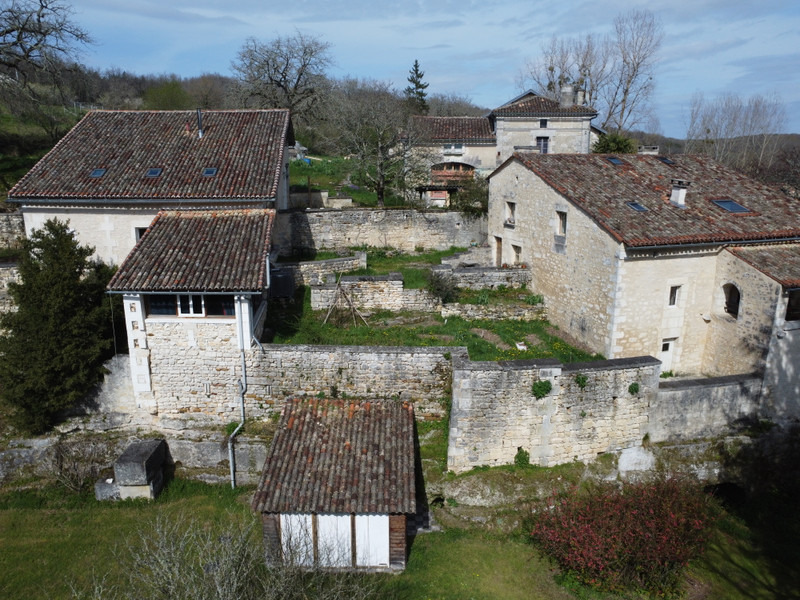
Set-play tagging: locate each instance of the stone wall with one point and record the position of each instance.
(8, 273)
(374, 292)
(698, 408)
(481, 278)
(303, 231)
(494, 312)
(590, 409)
(12, 228)
(315, 272)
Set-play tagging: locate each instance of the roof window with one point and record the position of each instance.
(666, 160)
(615, 160)
(97, 173)
(209, 171)
(154, 172)
(731, 206)
(637, 207)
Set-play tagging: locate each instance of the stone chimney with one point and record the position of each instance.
(567, 96)
(678, 196)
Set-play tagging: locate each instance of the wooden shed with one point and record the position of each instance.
(338, 485)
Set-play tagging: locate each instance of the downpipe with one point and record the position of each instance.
(242, 384)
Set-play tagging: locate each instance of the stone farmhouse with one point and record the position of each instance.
(675, 257)
(115, 170)
(462, 147)
(338, 484)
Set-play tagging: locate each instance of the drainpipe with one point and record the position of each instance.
(242, 383)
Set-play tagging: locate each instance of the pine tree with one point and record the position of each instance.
(415, 93)
(54, 344)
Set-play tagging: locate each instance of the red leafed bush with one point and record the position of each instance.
(638, 536)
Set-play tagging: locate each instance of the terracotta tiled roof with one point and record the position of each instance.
(780, 262)
(602, 190)
(332, 456)
(468, 130)
(246, 147)
(199, 251)
(533, 105)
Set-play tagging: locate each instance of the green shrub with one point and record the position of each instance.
(522, 458)
(534, 299)
(633, 389)
(442, 286)
(638, 537)
(541, 388)
(581, 380)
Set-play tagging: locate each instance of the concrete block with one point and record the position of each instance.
(141, 462)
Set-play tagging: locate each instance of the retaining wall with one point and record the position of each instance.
(303, 231)
(12, 228)
(375, 292)
(481, 278)
(316, 272)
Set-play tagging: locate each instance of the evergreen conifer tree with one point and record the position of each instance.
(54, 343)
(415, 92)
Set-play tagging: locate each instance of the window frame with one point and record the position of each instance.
(561, 223)
(674, 295)
(792, 314)
(733, 300)
(543, 144)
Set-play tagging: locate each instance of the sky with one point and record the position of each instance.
(465, 47)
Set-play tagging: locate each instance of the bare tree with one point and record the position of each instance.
(375, 130)
(739, 133)
(616, 73)
(287, 72)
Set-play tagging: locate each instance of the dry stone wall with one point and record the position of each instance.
(316, 272)
(12, 228)
(374, 292)
(481, 278)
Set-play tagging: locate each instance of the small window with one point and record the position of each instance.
(511, 214)
(732, 299)
(220, 306)
(614, 160)
(209, 172)
(190, 305)
(517, 253)
(154, 172)
(793, 306)
(637, 207)
(666, 161)
(562, 222)
(673, 295)
(543, 144)
(97, 173)
(542, 123)
(161, 305)
(731, 206)
(139, 232)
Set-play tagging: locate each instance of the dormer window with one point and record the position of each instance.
(97, 173)
(209, 171)
(154, 172)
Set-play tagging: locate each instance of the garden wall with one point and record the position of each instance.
(481, 278)
(303, 231)
(12, 228)
(374, 292)
(591, 408)
(315, 272)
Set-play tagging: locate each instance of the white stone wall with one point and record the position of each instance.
(566, 135)
(483, 157)
(578, 274)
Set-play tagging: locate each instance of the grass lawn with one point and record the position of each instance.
(334, 175)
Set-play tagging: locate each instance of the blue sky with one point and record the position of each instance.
(470, 48)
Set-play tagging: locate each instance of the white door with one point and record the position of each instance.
(667, 353)
(372, 540)
(333, 541)
(297, 539)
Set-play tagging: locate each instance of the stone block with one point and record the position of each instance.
(140, 463)
(148, 491)
(106, 489)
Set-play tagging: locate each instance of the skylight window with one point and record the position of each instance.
(209, 171)
(666, 161)
(731, 206)
(637, 207)
(614, 160)
(96, 173)
(154, 172)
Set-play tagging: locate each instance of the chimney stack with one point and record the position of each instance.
(199, 125)
(567, 96)
(678, 196)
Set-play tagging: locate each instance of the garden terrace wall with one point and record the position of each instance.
(8, 274)
(494, 312)
(304, 231)
(316, 271)
(691, 409)
(201, 386)
(12, 229)
(481, 278)
(375, 292)
(495, 412)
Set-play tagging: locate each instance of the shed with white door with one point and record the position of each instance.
(338, 485)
